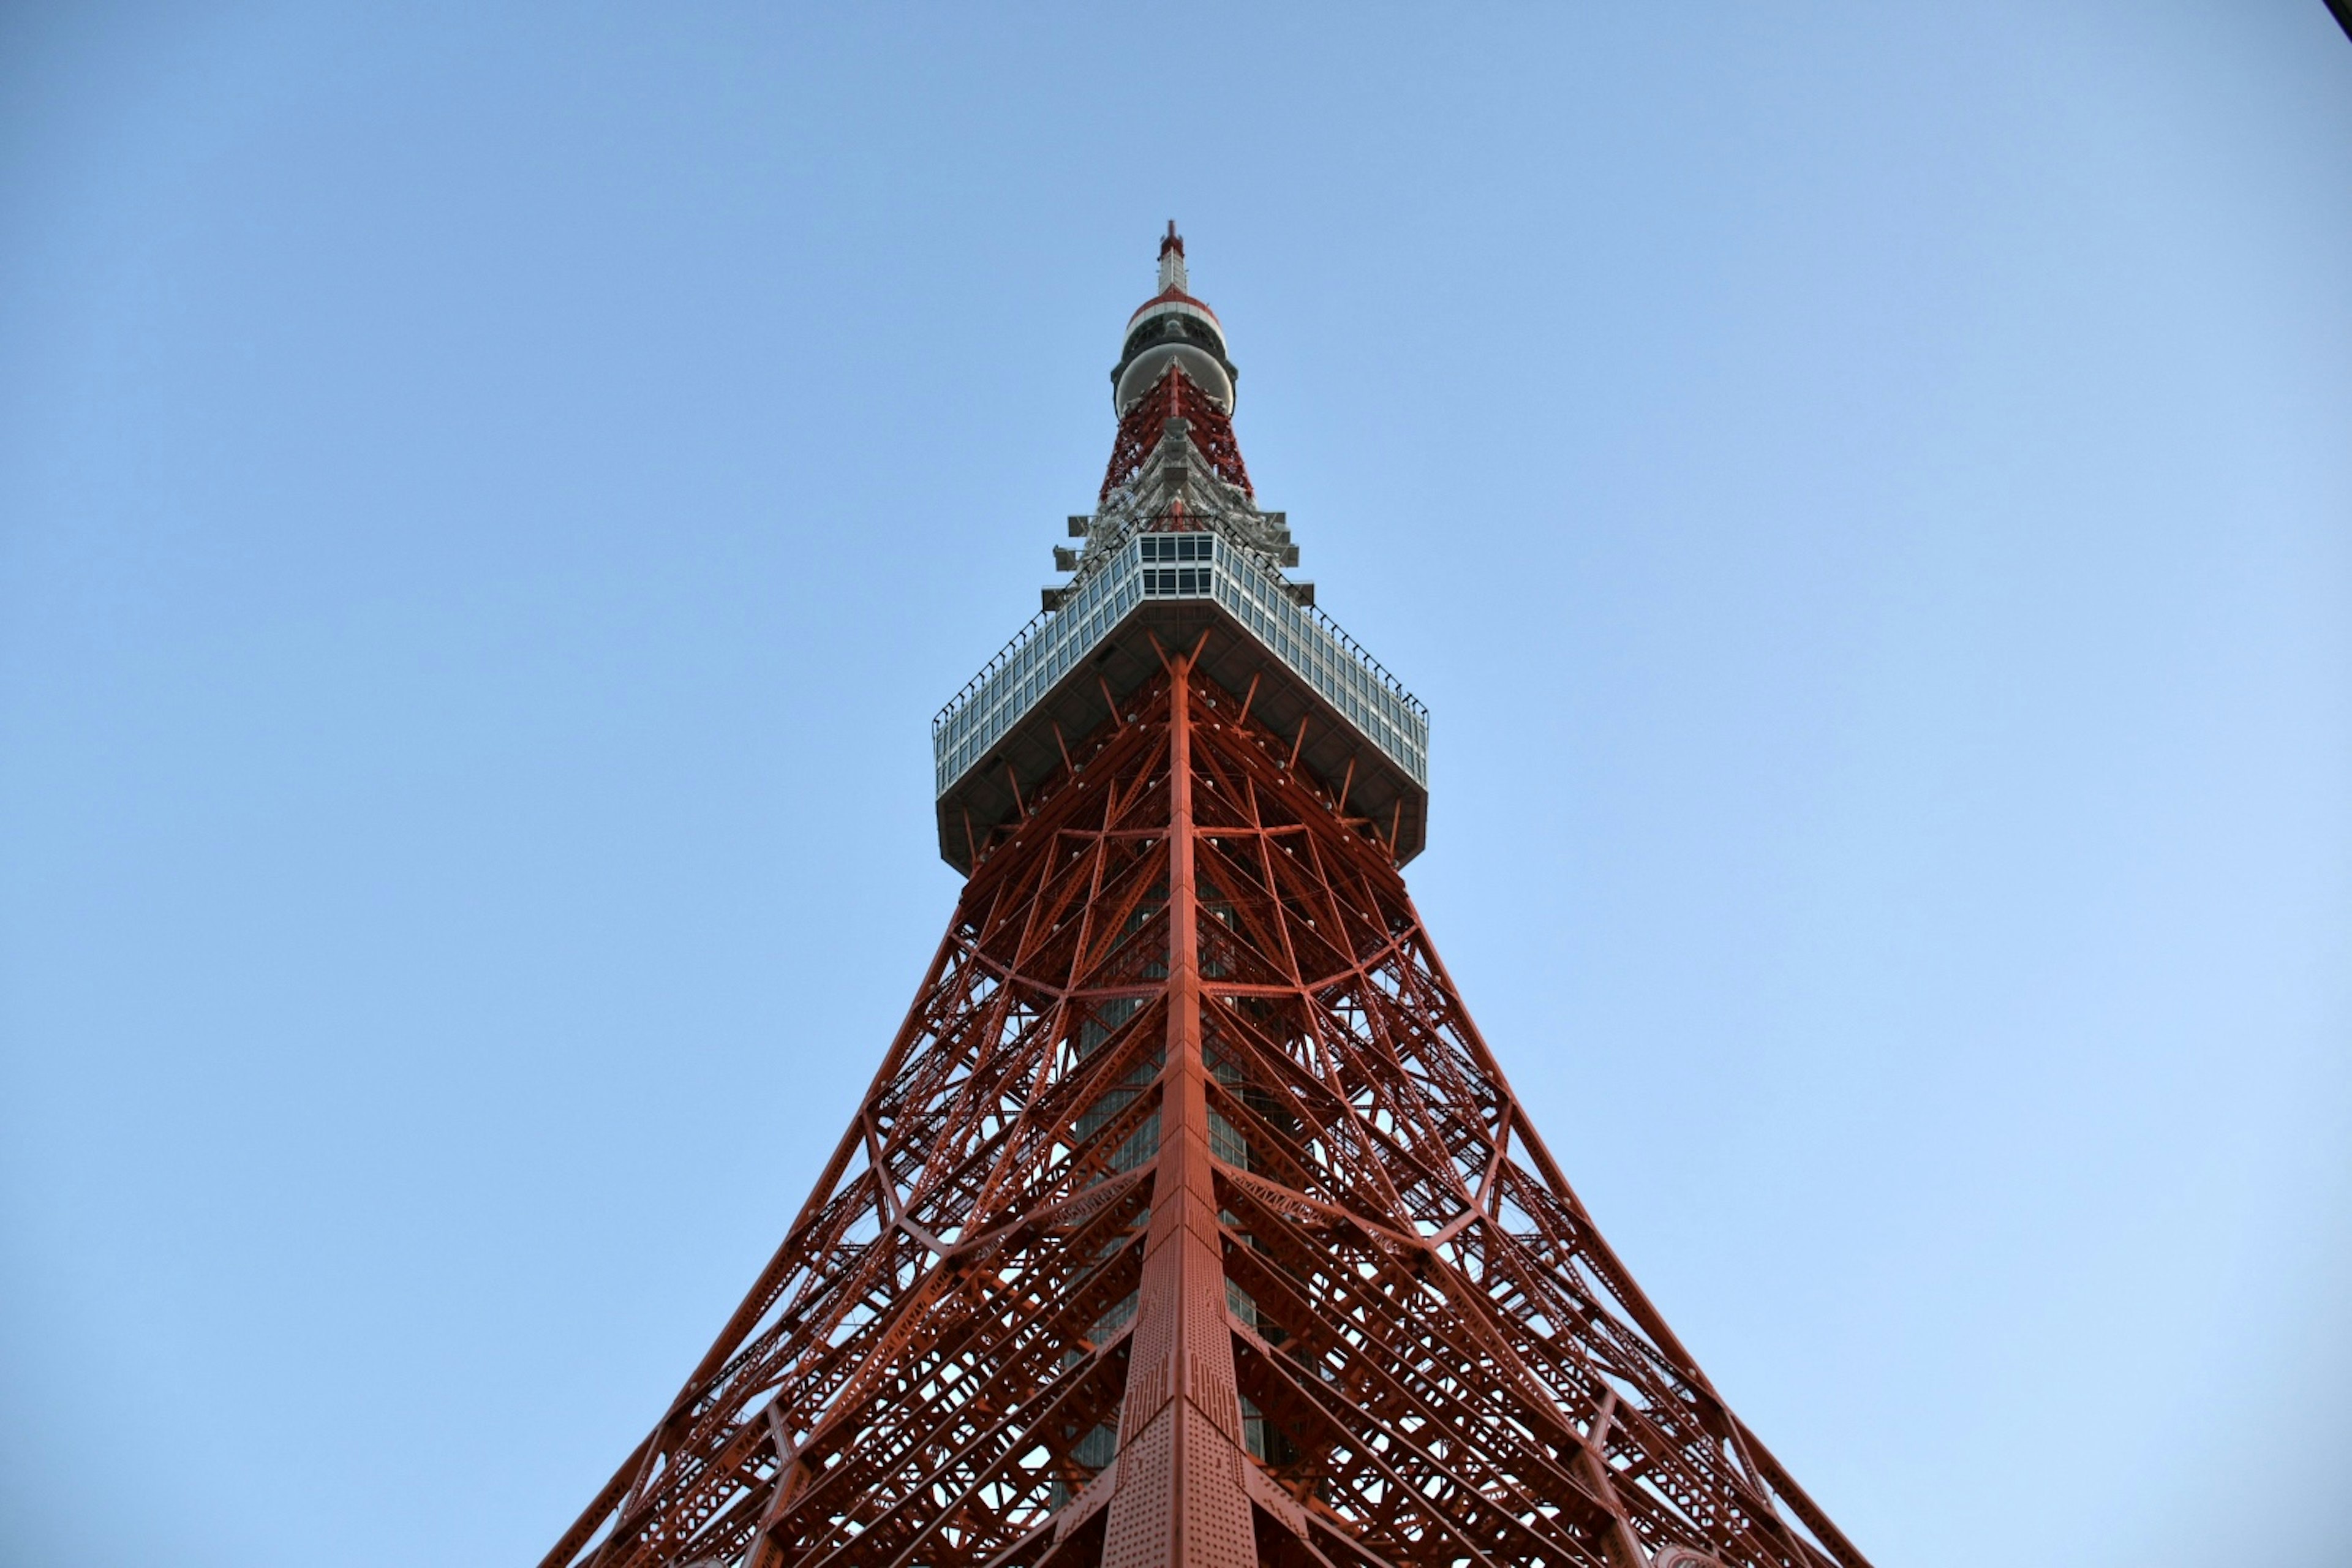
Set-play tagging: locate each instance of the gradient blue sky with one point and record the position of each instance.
(489, 499)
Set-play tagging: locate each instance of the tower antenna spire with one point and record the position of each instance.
(1172, 261)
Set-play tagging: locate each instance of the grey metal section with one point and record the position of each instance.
(1304, 638)
(1310, 737)
(1025, 669)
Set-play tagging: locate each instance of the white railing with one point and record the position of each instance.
(1304, 638)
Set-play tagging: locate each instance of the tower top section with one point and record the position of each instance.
(1178, 554)
(1171, 260)
(1172, 328)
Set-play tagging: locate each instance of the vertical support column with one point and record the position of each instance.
(1622, 1542)
(1182, 1498)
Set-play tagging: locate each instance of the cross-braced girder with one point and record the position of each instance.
(1189, 1176)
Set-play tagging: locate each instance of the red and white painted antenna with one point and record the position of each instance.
(1172, 261)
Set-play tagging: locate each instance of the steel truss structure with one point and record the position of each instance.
(1188, 1220)
(1174, 397)
(1189, 1223)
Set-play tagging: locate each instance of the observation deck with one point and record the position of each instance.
(1355, 727)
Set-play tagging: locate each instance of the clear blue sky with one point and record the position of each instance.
(489, 500)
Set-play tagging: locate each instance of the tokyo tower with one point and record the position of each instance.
(1189, 1221)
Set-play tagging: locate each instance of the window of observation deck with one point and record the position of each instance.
(1167, 580)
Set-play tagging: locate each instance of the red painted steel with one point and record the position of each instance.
(1179, 1497)
(1173, 396)
(1190, 1221)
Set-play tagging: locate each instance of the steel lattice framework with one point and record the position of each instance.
(1188, 1158)
(1189, 1223)
(1173, 396)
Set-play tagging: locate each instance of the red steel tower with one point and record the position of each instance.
(1189, 1221)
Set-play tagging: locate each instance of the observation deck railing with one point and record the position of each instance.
(1329, 662)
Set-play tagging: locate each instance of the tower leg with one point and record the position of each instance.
(1182, 1498)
